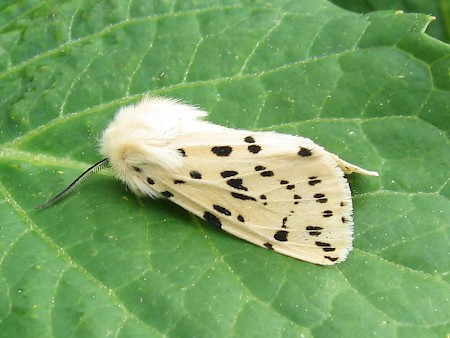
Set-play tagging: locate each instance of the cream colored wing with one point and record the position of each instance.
(280, 192)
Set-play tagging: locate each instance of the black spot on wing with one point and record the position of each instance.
(260, 168)
(254, 148)
(268, 173)
(284, 222)
(196, 175)
(284, 182)
(304, 152)
(333, 259)
(179, 182)
(344, 220)
(236, 183)
(264, 198)
(222, 150)
(290, 186)
(167, 194)
(320, 198)
(207, 216)
(327, 213)
(314, 230)
(137, 169)
(242, 197)
(297, 199)
(150, 181)
(325, 246)
(249, 139)
(228, 173)
(222, 210)
(281, 235)
(241, 218)
(311, 227)
(182, 152)
(268, 246)
(313, 180)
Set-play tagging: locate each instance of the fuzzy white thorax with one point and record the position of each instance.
(141, 134)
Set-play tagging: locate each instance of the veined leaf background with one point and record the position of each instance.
(372, 88)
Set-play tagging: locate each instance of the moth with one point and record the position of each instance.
(281, 192)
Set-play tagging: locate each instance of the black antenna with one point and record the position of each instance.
(93, 169)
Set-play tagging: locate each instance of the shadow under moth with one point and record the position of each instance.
(281, 192)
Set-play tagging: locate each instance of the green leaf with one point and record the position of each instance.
(372, 88)
(440, 9)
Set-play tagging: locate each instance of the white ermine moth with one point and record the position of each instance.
(281, 192)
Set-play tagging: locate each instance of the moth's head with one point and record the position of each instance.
(141, 136)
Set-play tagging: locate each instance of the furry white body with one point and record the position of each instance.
(278, 191)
